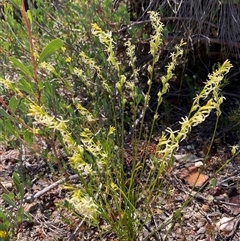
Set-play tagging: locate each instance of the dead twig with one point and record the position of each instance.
(31, 198)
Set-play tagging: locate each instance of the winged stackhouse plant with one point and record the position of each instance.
(108, 198)
(114, 196)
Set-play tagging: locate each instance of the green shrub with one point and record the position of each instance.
(13, 216)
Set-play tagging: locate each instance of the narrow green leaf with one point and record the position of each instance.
(5, 114)
(50, 88)
(16, 3)
(50, 49)
(10, 127)
(26, 86)
(8, 199)
(17, 63)
(19, 185)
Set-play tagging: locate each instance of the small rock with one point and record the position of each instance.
(200, 224)
(225, 224)
(198, 164)
(202, 230)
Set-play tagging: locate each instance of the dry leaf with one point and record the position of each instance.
(205, 207)
(236, 200)
(194, 178)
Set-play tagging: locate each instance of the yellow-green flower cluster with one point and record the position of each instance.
(107, 40)
(198, 114)
(92, 64)
(84, 206)
(42, 117)
(46, 67)
(131, 53)
(94, 148)
(85, 113)
(170, 68)
(10, 85)
(156, 38)
(213, 86)
(77, 159)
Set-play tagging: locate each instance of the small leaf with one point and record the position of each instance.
(214, 182)
(50, 49)
(28, 137)
(20, 214)
(17, 63)
(236, 200)
(29, 15)
(138, 99)
(178, 214)
(13, 104)
(21, 191)
(16, 180)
